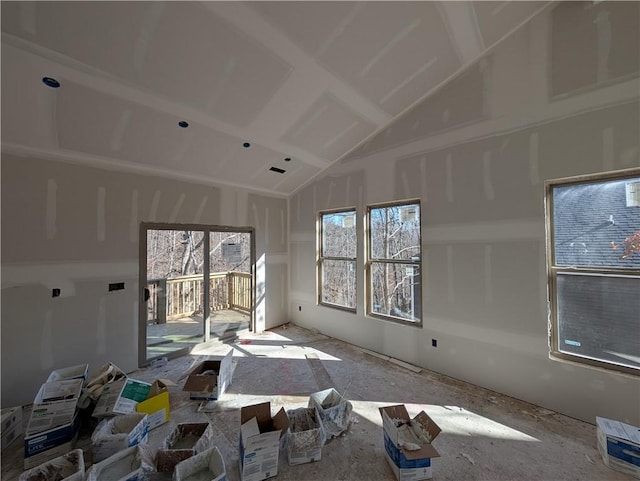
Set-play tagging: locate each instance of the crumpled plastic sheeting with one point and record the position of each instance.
(209, 462)
(305, 429)
(95, 384)
(334, 410)
(130, 463)
(69, 467)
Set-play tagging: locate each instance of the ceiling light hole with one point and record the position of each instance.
(183, 124)
(287, 159)
(246, 145)
(278, 170)
(50, 82)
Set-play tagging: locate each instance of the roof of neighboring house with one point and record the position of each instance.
(591, 223)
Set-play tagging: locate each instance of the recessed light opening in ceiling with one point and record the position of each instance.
(276, 169)
(50, 82)
(246, 145)
(183, 123)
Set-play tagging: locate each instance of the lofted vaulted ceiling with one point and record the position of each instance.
(304, 83)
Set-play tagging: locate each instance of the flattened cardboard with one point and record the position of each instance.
(209, 387)
(121, 397)
(54, 405)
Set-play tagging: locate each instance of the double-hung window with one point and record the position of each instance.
(393, 263)
(337, 248)
(593, 264)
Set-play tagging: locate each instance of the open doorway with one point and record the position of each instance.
(196, 285)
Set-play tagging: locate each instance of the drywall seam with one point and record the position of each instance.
(449, 178)
(489, 193)
(608, 149)
(155, 201)
(534, 158)
(51, 207)
(450, 284)
(488, 276)
(133, 223)
(176, 209)
(101, 215)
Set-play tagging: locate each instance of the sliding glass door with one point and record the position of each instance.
(196, 285)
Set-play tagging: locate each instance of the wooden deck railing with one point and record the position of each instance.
(183, 296)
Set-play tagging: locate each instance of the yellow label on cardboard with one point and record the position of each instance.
(157, 407)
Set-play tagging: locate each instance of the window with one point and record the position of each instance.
(593, 252)
(337, 259)
(393, 262)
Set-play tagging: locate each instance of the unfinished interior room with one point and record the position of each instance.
(316, 241)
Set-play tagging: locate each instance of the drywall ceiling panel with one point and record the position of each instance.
(98, 124)
(393, 52)
(312, 25)
(294, 177)
(170, 48)
(186, 62)
(460, 102)
(328, 128)
(497, 19)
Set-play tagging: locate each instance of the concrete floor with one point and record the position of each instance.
(485, 435)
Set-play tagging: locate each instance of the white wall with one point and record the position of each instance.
(76, 228)
(477, 155)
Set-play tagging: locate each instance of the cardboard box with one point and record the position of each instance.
(44, 446)
(207, 465)
(209, 380)
(619, 445)
(157, 403)
(68, 467)
(184, 441)
(80, 371)
(95, 384)
(10, 425)
(407, 442)
(127, 465)
(115, 434)
(305, 436)
(121, 397)
(335, 411)
(260, 441)
(54, 405)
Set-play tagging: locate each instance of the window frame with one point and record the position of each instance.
(321, 258)
(369, 262)
(554, 270)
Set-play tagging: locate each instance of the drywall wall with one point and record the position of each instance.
(477, 155)
(75, 228)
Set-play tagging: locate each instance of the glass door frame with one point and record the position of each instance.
(142, 280)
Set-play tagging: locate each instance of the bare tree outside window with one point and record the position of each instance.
(337, 259)
(394, 262)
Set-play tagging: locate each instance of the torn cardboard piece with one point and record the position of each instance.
(68, 467)
(260, 441)
(407, 442)
(208, 380)
(305, 436)
(619, 445)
